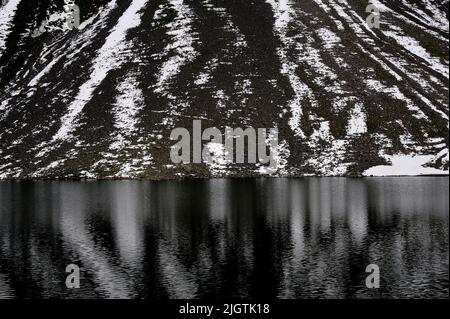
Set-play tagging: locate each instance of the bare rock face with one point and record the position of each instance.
(99, 98)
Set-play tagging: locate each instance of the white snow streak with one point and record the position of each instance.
(133, 157)
(128, 104)
(437, 16)
(329, 38)
(405, 165)
(395, 92)
(218, 162)
(109, 57)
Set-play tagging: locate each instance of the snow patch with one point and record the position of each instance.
(128, 104)
(218, 160)
(109, 57)
(329, 38)
(405, 165)
(357, 123)
(283, 17)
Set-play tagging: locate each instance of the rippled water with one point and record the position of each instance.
(274, 238)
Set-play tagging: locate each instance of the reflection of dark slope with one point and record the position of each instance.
(332, 231)
(127, 222)
(197, 249)
(12, 244)
(178, 248)
(401, 234)
(60, 232)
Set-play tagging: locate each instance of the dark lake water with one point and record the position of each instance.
(271, 238)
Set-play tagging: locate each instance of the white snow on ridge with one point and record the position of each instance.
(7, 14)
(361, 29)
(109, 58)
(279, 163)
(400, 15)
(381, 63)
(181, 48)
(345, 11)
(329, 38)
(283, 17)
(128, 104)
(395, 92)
(357, 123)
(405, 165)
(412, 76)
(179, 52)
(202, 79)
(77, 45)
(218, 162)
(413, 46)
(329, 160)
(437, 18)
(34, 81)
(3, 105)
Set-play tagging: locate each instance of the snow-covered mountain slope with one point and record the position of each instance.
(100, 101)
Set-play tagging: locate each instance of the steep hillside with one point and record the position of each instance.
(100, 100)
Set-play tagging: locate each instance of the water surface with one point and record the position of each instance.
(271, 238)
